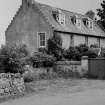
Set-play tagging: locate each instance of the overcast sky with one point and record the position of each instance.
(9, 7)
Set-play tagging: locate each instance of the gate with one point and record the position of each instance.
(96, 67)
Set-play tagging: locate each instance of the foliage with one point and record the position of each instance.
(12, 57)
(42, 60)
(55, 46)
(43, 50)
(72, 54)
(75, 53)
(82, 48)
(102, 52)
(28, 77)
(101, 14)
(90, 54)
(94, 46)
(90, 14)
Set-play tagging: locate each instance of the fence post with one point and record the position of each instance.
(84, 64)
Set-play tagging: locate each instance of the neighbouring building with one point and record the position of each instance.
(35, 23)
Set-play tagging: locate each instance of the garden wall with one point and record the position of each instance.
(72, 68)
(87, 67)
(11, 84)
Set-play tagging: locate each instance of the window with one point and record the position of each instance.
(90, 24)
(72, 40)
(85, 21)
(62, 19)
(98, 42)
(73, 19)
(42, 39)
(86, 40)
(78, 23)
(59, 17)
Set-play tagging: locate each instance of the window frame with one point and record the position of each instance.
(39, 41)
(90, 25)
(78, 22)
(86, 40)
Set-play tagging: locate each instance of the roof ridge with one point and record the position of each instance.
(60, 8)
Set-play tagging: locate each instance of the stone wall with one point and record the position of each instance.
(11, 84)
(73, 68)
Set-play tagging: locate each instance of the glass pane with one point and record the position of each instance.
(42, 43)
(42, 36)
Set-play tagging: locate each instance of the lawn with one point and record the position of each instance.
(62, 86)
(57, 86)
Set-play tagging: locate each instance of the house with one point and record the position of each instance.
(35, 23)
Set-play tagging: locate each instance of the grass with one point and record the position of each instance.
(57, 86)
(62, 86)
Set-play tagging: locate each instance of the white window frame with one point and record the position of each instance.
(62, 20)
(78, 22)
(38, 35)
(90, 25)
(60, 17)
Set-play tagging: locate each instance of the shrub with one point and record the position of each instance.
(75, 53)
(42, 60)
(82, 48)
(29, 77)
(11, 57)
(43, 50)
(90, 54)
(103, 52)
(94, 46)
(55, 46)
(72, 54)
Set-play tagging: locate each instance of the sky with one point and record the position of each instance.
(8, 9)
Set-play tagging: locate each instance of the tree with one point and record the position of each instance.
(55, 46)
(12, 58)
(101, 14)
(90, 14)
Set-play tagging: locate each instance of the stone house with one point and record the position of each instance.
(35, 23)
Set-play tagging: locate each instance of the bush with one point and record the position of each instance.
(90, 54)
(42, 60)
(102, 53)
(94, 46)
(43, 50)
(29, 77)
(55, 46)
(75, 53)
(82, 48)
(72, 54)
(12, 58)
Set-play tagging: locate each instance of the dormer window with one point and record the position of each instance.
(88, 23)
(62, 19)
(85, 21)
(59, 17)
(76, 21)
(73, 19)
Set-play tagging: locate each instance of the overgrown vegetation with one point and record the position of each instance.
(75, 53)
(39, 59)
(12, 58)
(101, 14)
(55, 46)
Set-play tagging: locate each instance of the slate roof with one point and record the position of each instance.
(69, 26)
